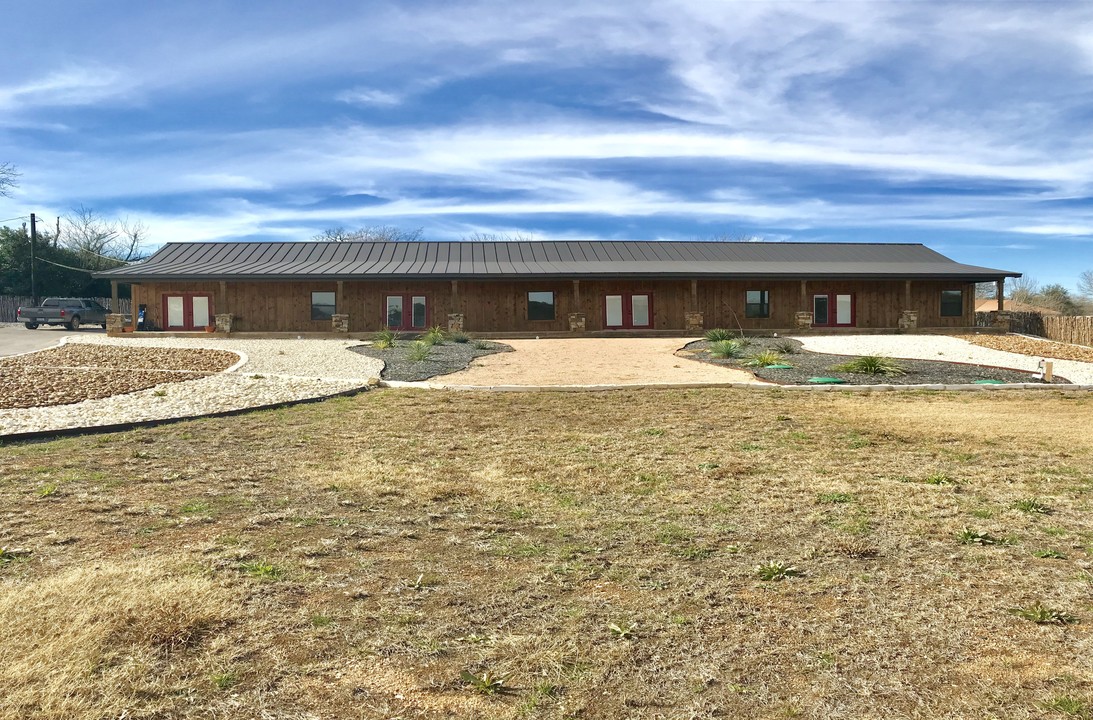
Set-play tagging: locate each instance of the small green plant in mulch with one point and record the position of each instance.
(726, 349)
(968, 536)
(718, 334)
(436, 335)
(1043, 615)
(460, 337)
(1032, 506)
(764, 358)
(485, 684)
(384, 339)
(1049, 555)
(419, 350)
(786, 347)
(776, 570)
(872, 365)
(263, 570)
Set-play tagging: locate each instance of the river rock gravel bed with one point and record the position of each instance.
(443, 359)
(96, 355)
(272, 372)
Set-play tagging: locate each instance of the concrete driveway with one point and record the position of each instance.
(16, 339)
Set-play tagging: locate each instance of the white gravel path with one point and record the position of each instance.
(940, 347)
(274, 371)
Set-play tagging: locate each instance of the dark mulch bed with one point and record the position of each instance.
(443, 359)
(809, 364)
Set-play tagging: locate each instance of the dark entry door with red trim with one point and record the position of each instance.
(407, 312)
(632, 311)
(834, 310)
(187, 311)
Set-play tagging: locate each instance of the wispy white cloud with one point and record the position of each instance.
(369, 96)
(69, 86)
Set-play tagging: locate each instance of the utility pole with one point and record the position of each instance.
(33, 248)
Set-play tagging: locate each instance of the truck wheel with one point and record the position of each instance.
(30, 326)
(74, 323)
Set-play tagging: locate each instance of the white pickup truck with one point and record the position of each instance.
(70, 312)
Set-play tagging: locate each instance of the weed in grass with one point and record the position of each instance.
(856, 441)
(321, 621)
(718, 335)
(654, 432)
(1072, 706)
(194, 508)
(539, 694)
(707, 467)
(1049, 555)
(1043, 615)
(223, 681)
(8, 555)
(159, 393)
(1033, 506)
(485, 684)
(834, 498)
(47, 490)
(968, 536)
(622, 632)
(776, 570)
(764, 358)
(726, 349)
(872, 365)
(938, 478)
(255, 377)
(263, 571)
(750, 447)
(982, 513)
(418, 351)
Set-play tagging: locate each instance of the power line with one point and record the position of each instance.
(67, 267)
(21, 217)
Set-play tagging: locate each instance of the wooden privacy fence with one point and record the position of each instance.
(10, 303)
(1026, 323)
(1069, 328)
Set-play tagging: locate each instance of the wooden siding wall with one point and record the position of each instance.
(501, 306)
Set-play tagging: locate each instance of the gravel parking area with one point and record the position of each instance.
(274, 371)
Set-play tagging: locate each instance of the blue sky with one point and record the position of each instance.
(968, 127)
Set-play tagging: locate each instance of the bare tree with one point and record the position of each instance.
(986, 291)
(8, 179)
(498, 237)
(372, 233)
(102, 243)
(1025, 290)
(1085, 284)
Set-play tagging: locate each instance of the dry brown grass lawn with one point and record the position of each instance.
(353, 558)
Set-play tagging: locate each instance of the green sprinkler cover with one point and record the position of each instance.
(988, 382)
(827, 381)
(779, 367)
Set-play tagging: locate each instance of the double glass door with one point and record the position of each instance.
(628, 311)
(187, 312)
(833, 309)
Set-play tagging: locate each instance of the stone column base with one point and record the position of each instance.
(1003, 321)
(339, 322)
(803, 320)
(908, 320)
(455, 322)
(114, 324)
(694, 322)
(224, 322)
(578, 322)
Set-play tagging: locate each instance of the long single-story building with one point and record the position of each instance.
(550, 287)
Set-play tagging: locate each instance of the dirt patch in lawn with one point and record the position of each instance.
(72, 373)
(1031, 346)
(595, 553)
(804, 365)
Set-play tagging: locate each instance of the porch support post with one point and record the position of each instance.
(114, 296)
(339, 297)
(694, 295)
(455, 295)
(576, 296)
(1000, 292)
(222, 298)
(907, 295)
(804, 295)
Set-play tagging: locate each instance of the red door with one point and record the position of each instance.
(834, 310)
(633, 311)
(187, 311)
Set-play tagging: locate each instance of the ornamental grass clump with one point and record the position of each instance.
(726, 349)
(419, 350)
(436, 335)
(718, 334)
(872, 365)
(385, 339)
(764, 358)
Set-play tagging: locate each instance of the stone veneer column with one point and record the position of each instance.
(455, 322)
(114, 324)
(694, 321)
(908, 320)
(339, 322)
(224, 322)
(578, 322)
(1003, 321)
(803, 320)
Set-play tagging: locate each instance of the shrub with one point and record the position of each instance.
(718, 334)
(872, 365)
(419, 350)
(764, 358)
(786, 347)
(384, 339)
(436, 335)
(458, 337)
(726, 349)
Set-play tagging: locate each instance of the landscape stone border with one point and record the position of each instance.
(736, 385)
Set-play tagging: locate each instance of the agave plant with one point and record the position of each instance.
(718, 334)
(764, 358)
(384, 339)
(872, 365)
(726, 349)
(419, 350)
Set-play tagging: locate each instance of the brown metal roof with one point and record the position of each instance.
(563, 259)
